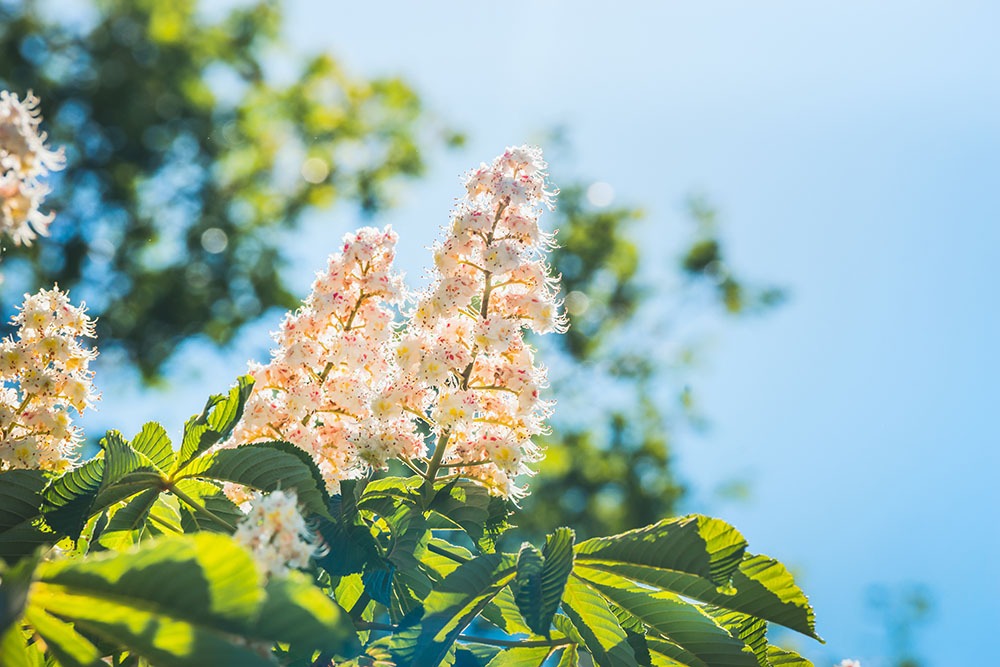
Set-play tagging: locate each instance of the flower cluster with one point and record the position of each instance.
(463, 360)
(44, 372)
(846, 662)
(275, 533)
(24, 158)
(343, 386)
(317, 390)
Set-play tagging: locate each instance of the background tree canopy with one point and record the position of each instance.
(186, 155)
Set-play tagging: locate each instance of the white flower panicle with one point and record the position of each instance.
(846, 662)
(24, 159)
(346, 388)
(44, 372)
(276, 534)
(465, 367)
(332, 357)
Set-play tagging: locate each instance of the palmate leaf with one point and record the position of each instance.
(761, 587)
(682, 623)
(116, 473)
(455, 601)
(698, 562)
(21, 528)
(179, 601)
(215, 423)
(265, 466)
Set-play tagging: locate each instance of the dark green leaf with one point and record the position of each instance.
(265, 466)
(215, 423)
(597, 625)
(297, 612)
(455, 601)
(21, 529)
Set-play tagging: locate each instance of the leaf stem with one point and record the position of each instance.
(515, 643)
(191, 502)
(447, 554)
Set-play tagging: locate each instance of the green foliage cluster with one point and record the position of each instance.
(127, 559)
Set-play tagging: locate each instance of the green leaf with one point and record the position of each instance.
(212, 579)
(67, 500)
(528, 586)
(123, 530)
(21, 529)
(162, 639)
(66, 644)
(215, 423)
(761, 587)
(265, 466)
(781, 657)
(593, 619)
(697, 545)
(502, 612)
(210, 495)
(570, 657)
(152, 441)
(669, 654)
(464, 505)
(297, 612)
(178, 601)
(349, 544)
(750, 630)
(681, 622)
(121, 460)
(452, 605)
(16, 652)
(558, 554)
(521, 657)
(541, 578)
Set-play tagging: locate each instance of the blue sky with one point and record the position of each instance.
(854, 151)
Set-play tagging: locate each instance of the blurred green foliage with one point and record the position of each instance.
(186, 155)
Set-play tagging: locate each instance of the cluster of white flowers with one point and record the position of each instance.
(24, 158)
(348, 390)
(44, 372)
(275, 533)
(317, 390)
(463, 361)
(846, 662)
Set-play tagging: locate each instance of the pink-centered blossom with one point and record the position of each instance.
(331, 362)
(24, 160)
(275, 533)
(44, 372)
(464, 344)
